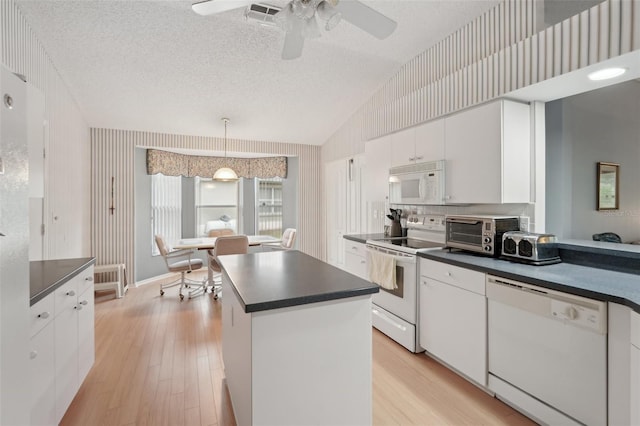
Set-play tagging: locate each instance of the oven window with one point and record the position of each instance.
(465, 233)
(398, 292)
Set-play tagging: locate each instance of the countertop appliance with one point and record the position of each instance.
(395, 312)
(421, 183)
(547, 352)
(479, 233)
(530, 248)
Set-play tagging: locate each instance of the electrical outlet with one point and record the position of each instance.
(524, 223)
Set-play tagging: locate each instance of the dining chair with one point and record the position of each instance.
(220, 232)
(231, 244)
(285, 243)
(184, 266)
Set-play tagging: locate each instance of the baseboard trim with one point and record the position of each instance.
(154, 280)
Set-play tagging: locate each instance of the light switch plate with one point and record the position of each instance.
(1, 166)
(524, 223)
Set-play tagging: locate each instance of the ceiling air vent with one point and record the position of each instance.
(261, 13)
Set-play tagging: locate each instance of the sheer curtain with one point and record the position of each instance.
(166, 209)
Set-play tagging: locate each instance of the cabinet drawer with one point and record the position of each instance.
(85, 279)
(454, 275)
(41, 314)
(357, 265)
(66, 296)
(42, 376)
(358, 249)
(635, 329)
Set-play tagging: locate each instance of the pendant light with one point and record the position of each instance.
(225, 174)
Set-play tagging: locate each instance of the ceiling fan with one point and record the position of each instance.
(299, 19)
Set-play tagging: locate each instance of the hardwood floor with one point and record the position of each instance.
(159, 362)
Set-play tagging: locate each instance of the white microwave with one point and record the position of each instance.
(420, 183)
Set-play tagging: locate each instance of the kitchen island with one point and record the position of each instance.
(296, 340)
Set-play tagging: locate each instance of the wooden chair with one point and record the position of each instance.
(232, 244)
(185, 266)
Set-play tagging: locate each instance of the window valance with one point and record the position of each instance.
(172, 164)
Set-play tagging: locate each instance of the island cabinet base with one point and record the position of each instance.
(306, 364)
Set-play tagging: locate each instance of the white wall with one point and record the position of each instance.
(601, 125)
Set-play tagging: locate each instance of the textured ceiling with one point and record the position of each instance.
(158, 66)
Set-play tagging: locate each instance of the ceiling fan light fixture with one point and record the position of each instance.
(225, 174)
(303, 9)
(284, 17)
(329, 14)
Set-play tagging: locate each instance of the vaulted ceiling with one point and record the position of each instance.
(158, 66)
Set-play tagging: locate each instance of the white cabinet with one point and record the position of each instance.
(453, 317)
(62, 347)
(356, 259)
(430, 141)
(488, 154)
(403, 147)
(41, 363)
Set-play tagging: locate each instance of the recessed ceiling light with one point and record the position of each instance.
(606, 73)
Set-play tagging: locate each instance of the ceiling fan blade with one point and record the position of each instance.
(293, 40)
(367, 19)
(210, 7)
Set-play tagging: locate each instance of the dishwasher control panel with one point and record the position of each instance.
(577, 314)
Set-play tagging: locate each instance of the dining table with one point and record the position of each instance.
(208, 243)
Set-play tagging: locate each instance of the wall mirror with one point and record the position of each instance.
(608, 186)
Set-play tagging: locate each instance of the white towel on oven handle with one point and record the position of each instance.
(382, 270)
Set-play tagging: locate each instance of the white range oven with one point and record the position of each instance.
(395, 312)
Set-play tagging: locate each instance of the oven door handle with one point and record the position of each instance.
(399, 259)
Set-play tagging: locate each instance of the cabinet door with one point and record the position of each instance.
(453, 327)
(86, 334)
(236, 352)
(42, 377)
(66, 358)
(403, 147)
(473, 156)
(430, 141)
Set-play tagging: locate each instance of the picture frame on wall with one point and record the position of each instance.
(608, 186)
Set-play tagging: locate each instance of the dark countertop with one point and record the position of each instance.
(595, 283)
(47, 275)
(278, 279)
(362, 238)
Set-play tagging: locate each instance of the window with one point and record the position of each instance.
(216, 205)
(269, 207)
(166, 209)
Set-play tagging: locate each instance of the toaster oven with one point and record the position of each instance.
(479, 233)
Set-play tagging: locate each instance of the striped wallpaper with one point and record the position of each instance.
(497, 53)
(112, 155)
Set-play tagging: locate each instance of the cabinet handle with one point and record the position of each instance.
(89, 279)
(77, 307)
(71, 293)
(84, 302)
(448, 274)
(412, 158)
(44, 315)
(419, 158)
(363, 261)
(354, 248)
(33, 354)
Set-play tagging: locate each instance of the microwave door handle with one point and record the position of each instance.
(465, 221)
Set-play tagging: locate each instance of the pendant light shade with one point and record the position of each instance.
(225, 174)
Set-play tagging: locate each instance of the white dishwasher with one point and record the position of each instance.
(547, 352)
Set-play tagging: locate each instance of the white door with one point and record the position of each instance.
(335, 210)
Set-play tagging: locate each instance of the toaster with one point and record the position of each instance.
(527, 247)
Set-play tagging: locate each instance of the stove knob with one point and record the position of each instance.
(572, 313)
(487, 248)
(487, 240)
